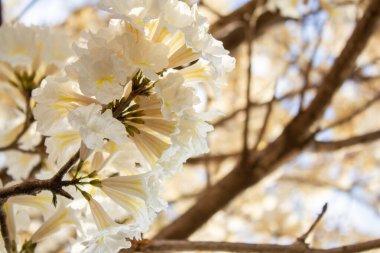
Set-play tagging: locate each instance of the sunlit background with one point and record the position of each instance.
(290, 57)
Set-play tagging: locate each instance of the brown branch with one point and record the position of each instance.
(170, 246)
(294, 138)
(34, 186)
(325, 146)
(211, 9)
(212, 158)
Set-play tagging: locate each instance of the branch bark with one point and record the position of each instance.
(294, 138)
(168, 246)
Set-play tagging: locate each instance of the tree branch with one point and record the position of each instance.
(234, 16)
(325, 146)
(296, 135)
(169, 246)
(251, 24)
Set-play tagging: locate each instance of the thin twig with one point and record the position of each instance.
(308, 69)
(232, 115)
(266, 121)
(251, 24)
(318, 146)
(355, 113)
(24, 11)
(303, 238)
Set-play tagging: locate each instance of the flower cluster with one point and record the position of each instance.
(124, 103)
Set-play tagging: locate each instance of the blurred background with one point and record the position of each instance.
(283, 49)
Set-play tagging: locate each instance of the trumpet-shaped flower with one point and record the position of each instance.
(110, 237)
(150, 57)
(94, 126)
(62, 145)
(176, 97)
(133, 194)
(19, 45)
(54, 99)
(62, 217)
(148, 128)
(101, 74)
(20, 164)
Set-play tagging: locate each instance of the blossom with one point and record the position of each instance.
(150, 57)
(54, 99)
(101, 74)
(127, 102)
(176, 97)
(148, 128)
(95, 126)
(133, 194)
(20, 164)
(32, 52)
(62, 145)
(62, 217)
(110, 237)
(19, 45)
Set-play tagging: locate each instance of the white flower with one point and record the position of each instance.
(110, 237)
(133, 193)
(201, 72)
(62, 145)
(55, 48)
(177, 13)
(41, 201)
(10, 220)
(101, 74)
(18, 45)
(62, 217)
(124, 159)
(109, 240)
(32, 50)
(148, 128)
(150, 57)
(94, 126)
(20, 164)
(54, 99)
(176, 97)
(200, 40)
(173, 12)
(101, 218)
